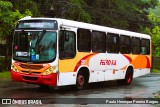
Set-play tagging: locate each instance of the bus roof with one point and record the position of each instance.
(76, 24)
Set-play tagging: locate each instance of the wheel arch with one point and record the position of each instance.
(85, 70)
(130, 68)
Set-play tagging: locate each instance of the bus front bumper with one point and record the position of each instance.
(50, 80)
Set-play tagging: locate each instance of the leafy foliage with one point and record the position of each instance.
(8, 18)
(76, 11)
(5, 14)
(123, 14)
(154, 30)
(25, 5)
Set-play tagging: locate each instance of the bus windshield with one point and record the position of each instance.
(34, 46)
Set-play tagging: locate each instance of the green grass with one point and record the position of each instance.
(157, 95)
(155, 71)
(5, 74)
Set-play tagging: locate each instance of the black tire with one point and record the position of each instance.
(81, 81)
(128, 78)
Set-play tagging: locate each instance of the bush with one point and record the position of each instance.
(2, 63)
(156, 65)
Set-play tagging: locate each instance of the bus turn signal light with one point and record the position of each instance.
(49, 70)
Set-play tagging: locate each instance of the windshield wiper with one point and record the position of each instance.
(40, 38)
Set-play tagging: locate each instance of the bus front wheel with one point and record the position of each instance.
(80, 81)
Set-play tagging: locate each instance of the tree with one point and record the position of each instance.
(123, 14)
(8, 18)
(154, 31)
(68, 9)
(24, 5)
(76, 11)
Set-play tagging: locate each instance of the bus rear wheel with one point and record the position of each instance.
(128, 78)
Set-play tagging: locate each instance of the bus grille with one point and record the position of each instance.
(30, 78)
(31, 72)
(36, 67)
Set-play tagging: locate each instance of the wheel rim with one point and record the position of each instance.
(129, 78)
(80, 81)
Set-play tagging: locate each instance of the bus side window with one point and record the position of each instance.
(83, 40)
(112, 43)
(98, 41)
(125, 44)
(145, 46)
(67, 47)
(136, 45)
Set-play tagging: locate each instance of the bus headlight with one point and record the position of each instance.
(49, 70)
(14, 68)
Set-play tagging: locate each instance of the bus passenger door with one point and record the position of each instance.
(67, 54)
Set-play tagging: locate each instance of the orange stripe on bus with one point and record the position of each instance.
(140, 61)
(84, 58)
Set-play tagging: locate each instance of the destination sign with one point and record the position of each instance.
(37, 24)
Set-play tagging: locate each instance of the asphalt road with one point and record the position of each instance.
(142, 87)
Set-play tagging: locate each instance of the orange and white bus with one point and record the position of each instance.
(60, 52)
